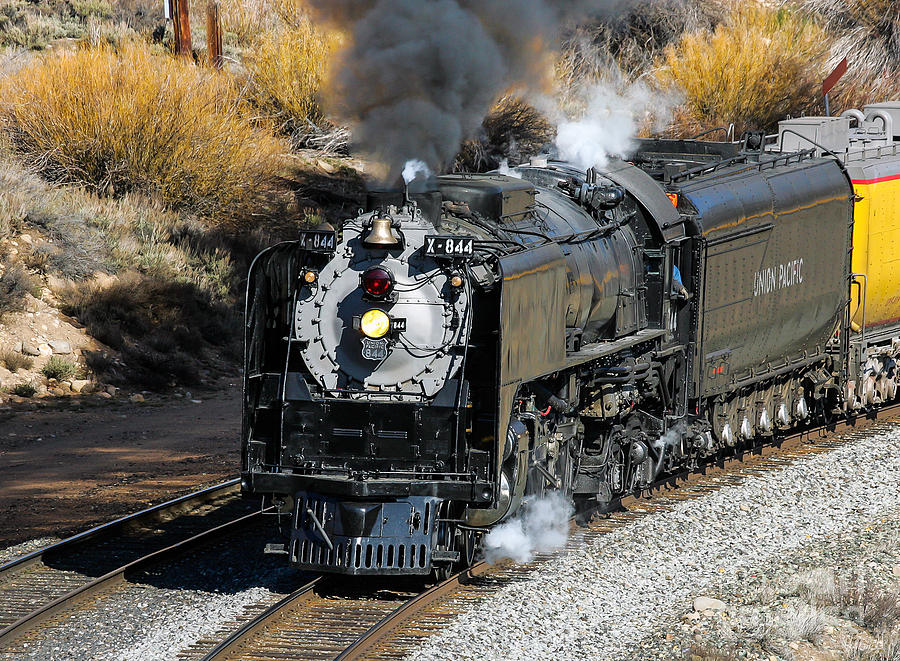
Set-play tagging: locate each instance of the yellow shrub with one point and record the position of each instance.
(287, 69)
(137, 121)
(760, 65)
(246, 20)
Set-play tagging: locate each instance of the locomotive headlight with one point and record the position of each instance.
(375, 324)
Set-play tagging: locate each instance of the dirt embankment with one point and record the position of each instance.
(63, 471)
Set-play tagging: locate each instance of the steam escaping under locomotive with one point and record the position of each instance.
(416, 373)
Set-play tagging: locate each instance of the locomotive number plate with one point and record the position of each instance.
(374, 349)
(318, 240)
(450, 247)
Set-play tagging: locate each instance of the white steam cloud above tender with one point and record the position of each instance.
(610, 120)
(541, 526)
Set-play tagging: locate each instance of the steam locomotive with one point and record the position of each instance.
(415, 374)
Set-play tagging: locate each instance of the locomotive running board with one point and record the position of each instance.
(601, 349)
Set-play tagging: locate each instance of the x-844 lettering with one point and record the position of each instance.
(449, 246)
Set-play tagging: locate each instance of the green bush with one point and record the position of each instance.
(59, 369)
(86, 8)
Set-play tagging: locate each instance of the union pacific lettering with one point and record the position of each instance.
(778, 277)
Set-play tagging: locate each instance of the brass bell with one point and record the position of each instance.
(381, 233)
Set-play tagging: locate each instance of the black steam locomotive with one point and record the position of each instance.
(414, 374)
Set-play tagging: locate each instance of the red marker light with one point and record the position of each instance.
(377, 282)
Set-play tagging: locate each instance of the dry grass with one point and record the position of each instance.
(160, 326)
(629, 40)
(93, 234)
(818, 587)
(756, 68)
(37, 24)
(286, 58)
(15, 361)
(132, 120)
(885, 648)
(867, 33)
(287, 69)
(514, 131)
(805, 623)
(875, 609)
(246, 20)
(854, 598)
(161, 319)
(15, 282)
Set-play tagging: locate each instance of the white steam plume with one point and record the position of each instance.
(505, 169)
(541, 526)
(609, 123)
(414, 168)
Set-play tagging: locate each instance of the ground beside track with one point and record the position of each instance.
(622, 596)
(837, 600)
(67, 470)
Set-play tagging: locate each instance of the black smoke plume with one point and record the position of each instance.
(420, 75)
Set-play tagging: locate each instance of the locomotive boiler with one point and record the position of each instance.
(417, 373)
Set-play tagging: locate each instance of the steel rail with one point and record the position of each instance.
(119, 525)
(118, 576)
(233, 646)
(409, 610)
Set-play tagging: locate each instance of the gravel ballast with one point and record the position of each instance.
(15, 552)
(160, 613)
(603, 600)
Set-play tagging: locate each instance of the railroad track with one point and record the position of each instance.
(51, 581)
(319, 622)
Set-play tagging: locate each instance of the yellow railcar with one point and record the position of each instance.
(868, 143)
(876, 235)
